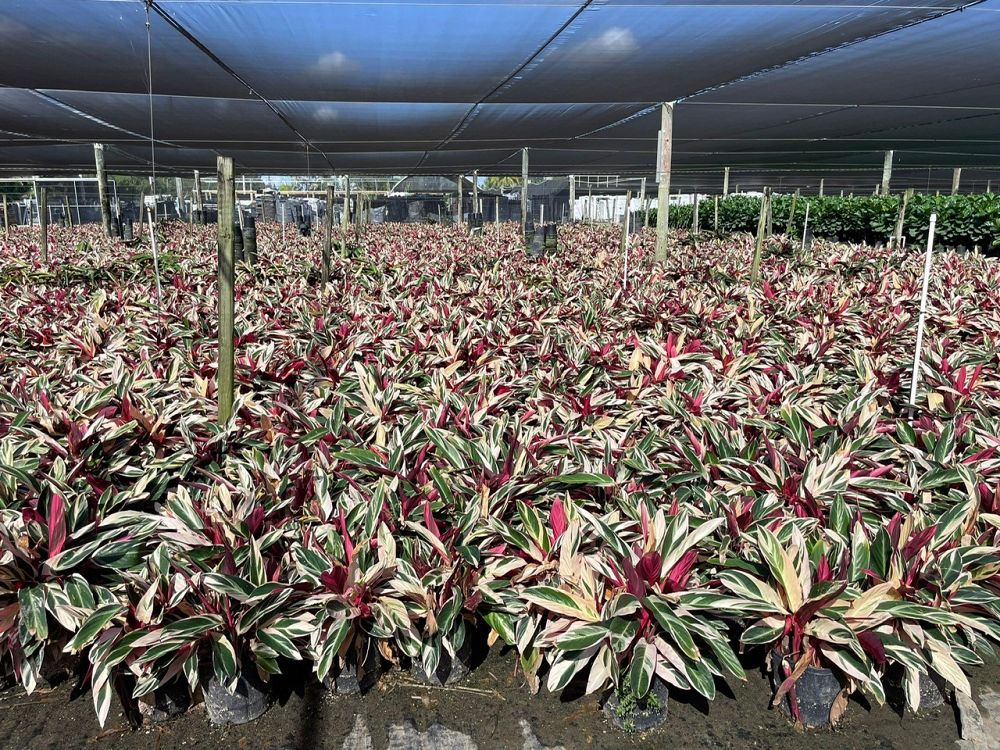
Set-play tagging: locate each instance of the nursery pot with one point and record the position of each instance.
(449, 670)
(932, 690)
(167, 702)
(360, 670)
(814, 693)
(641, 717)
(247, 702)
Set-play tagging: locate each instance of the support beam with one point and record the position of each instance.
(345, 218)
(572, 198)
(227, 277)
(956, 180)
(663, 174)
(102, 188)
(179, 189)
(725, 182)
(822, 180)
(886, 173)
(524, 193)
(324, 273)
(43, 223)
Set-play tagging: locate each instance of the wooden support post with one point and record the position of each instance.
(572, 198)
(695, 219)
(524, 193)
(821, 181)
(102, 188)
(66, 212)
(886, 172)
(663, 174)
(791, 213)
(956, 180)
(897, 235)
(6, 219)
(43, 223)
(324, 274)
(345, 219)
(770, 214)
(461, 199)
(725, 183)
(715, 225)
(227, 276)
(625, 220)
(758, 250)
(642, 194)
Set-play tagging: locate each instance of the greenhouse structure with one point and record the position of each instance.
(532, 374)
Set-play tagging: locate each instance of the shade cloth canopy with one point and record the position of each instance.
(778, 90)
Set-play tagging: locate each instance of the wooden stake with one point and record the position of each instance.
(324, 274)
(897, 235)
(461, 200)
(928, 256)
(625, 221)
(716, 224)
(102, 188)
(227, 269)
(66, 212)
(725, 182)
(6, 219)
(758, 250)
(956, 180)
(43, 223)
(695, 219)
(663, 173)
(198, 197)
(475, 192)
(572, 198)
(822, 180)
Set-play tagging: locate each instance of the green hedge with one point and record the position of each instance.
(962, 219)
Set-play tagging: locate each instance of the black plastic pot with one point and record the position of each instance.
(247, 702)
(169, 701)
(360, 670)
(814, 693)
(932, 689)
(641, 718)
(449, 670)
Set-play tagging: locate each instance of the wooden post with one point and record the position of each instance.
(886, 173)
(43, 223)
(663, 174)
(695, 219)
(345, 219)
(227, 248)
(791, 213)
(198, 197)
(524, 193)
(6, 219)
(461, 199)
(928, 256)
(715, 226)
(66, 212)
(572, 198)
(956, 180)
(821, 181)
(725, 183)
(625, 221)
(642, 193)
(897, 235)
(770, 214)
(758, 250)
(324, 274)
(102, 188)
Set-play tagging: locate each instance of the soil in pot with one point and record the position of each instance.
(359, 671)
(630, 714)
(814, 693)
(169, 701)
(450, 670)
(247, 702)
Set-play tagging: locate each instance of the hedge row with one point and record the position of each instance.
(962, 219)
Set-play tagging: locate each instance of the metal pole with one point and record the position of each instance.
(226, 201)
(524, 193)
(886, 172)
(663, 175)
(915, 376)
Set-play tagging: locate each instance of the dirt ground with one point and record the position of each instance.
(488, 707)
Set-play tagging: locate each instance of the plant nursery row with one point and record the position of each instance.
(632, 473)
(962, 220)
